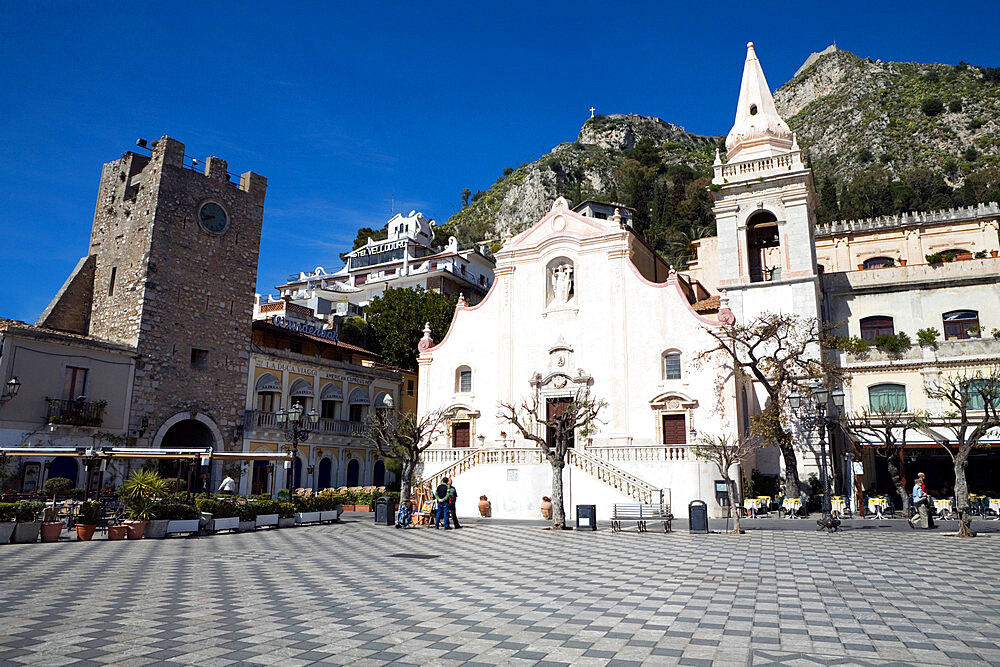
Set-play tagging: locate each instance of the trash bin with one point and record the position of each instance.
(586, 517)
(697, 516)
(385, 512)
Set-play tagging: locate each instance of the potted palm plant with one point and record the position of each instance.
(86, 520)
(7, 524)
(139, 492)
(52, 526)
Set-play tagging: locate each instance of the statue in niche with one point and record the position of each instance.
(562, 282)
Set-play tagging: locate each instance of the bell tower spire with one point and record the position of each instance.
(758, 130)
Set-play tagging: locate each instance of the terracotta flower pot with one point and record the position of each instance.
(485, 509)
(546, 509)
(84, 532)
(362, 508)
(861, 267)
(993, 253)
(136, 529)
(902, 262)
(119, 532)
(51, 530)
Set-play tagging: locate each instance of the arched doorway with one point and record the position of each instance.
(64, 466)
(297, 478)
(378, 474)
(258, 482)
(325, 469)
(353, 473)
(187, 434)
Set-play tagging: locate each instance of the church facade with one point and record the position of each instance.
(580, 301)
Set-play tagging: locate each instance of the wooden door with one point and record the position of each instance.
(555, 407)
(674, 430)
(461, 434)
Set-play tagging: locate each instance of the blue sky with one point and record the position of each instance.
(349, 107)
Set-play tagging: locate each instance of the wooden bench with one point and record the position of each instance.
(641, 514)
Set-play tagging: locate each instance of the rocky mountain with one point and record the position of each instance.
(850, 112)
(915, 132)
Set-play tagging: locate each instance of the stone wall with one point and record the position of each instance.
(70, 308)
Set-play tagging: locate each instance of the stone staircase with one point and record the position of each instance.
(625, 483)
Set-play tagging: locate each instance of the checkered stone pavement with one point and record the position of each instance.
(504, 593)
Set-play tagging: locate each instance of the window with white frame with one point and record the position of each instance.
(463, 380)
(672, 365)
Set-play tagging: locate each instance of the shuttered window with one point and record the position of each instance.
(887, 398)
(674, 430)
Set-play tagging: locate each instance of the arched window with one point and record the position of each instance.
(324, 478)
(378, 474)
(357, 403)
(268, 390)
(875, 326)
(887, 398)
(961, 324)
(954, 252)
(330, 399)
(762, 233)
(672, 365)
(463, 380)
(878, 262)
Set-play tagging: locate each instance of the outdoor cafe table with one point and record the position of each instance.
(944, 508)
(791, 506)
(995, 506)
(837, 505)
(876, 505)
(751, 505)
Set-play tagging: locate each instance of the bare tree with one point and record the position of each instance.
(888, 428)
(972, 400)
(776, 351)
(404, 436)
(580, 411)
(725, 451)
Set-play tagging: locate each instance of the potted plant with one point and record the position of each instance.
(305, 510)
(546, 507)
(485, 509)
(52, 525)
(138, 492)
(157, 528)
(26, 513)
(181, 517)
(363, 501)
(928, 336)
(248, 517)
(349, 497)
(993, 253)
(267, 513)
(7, 524)
(86, 520)
(223, 514)
(286, 515)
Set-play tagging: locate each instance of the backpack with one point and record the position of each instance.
(403, 517)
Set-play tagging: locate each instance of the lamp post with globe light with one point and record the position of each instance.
(819, 395)
(297, 430)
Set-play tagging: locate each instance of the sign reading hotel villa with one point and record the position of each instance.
(304, 328)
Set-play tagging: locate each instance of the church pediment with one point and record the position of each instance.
(560, 223)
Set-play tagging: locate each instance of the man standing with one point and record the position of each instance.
(228, 486)
(452, 499)
(443, 506)
(921, 502)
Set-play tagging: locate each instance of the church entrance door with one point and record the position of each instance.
(555, 407)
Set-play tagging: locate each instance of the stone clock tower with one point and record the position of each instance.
(173, 267)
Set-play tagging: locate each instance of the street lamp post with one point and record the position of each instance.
(289, 422)
(820, 395)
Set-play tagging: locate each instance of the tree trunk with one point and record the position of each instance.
(793, 487)
(405, 487)
(558, 511)
(962, 497)
(731, 489)
(892, 462)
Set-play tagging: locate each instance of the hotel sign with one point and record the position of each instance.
(376, 249)
(300, 327)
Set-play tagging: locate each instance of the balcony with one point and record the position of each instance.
(257, 419)
(76, 412)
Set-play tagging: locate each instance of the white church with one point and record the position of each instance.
(583, 301)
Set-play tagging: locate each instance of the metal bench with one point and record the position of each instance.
(641, 514)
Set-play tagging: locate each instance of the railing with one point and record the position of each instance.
(449, 455)
(255, 419)
(75, 412)
(641, 453)
(626, 483)
(960, 214)
(760, 166)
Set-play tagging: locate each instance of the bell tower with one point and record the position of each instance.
(764, 209)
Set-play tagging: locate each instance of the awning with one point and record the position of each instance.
(359, 397)
(268, 384)
(383, 400)
(300, 388)
(331, 392)
(140, 453)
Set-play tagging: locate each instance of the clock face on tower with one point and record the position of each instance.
(213, 217)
